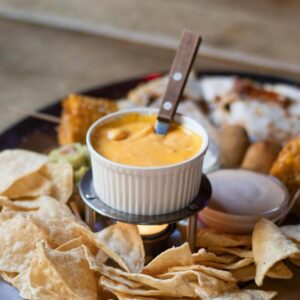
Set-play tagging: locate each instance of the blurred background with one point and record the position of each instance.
(49, 48)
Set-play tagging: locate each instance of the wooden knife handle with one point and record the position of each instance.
(180, 70)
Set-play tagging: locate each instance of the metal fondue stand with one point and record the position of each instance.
(94, 205)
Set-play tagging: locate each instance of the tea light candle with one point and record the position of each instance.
(150, 230)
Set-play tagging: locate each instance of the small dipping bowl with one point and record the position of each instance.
(240, 198)
(147, 190)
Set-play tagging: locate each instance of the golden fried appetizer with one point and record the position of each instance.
(287, 165)
(79, 113)
(234, 142)
(260, 156)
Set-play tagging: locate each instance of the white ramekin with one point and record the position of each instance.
(147, 190)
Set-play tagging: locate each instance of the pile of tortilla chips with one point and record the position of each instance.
(252, 257)
(46, 253)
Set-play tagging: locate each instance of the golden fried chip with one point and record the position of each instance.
(235, 251)
(203, 256)
(51, 208)
(113, 273)
(247, 273)
(295, 261)
(122, 296)
(61, 275)
(83, 240)
(235, 265)
(22, 205)
(205, 286)
(126, 242)
(44, 207)
(18, 238)
(57, 230)
(21, 282)
(72, 230)
(167, 291)
(280, 271)
(269, 245)
(169, 259)
(166, 286)
(223, 275)
(247, 295)
(292, 231)
(30, 186)
(61, 177)
(8, 276)
(53, 179)
(16, 164)
(208, 238)
(77, 242)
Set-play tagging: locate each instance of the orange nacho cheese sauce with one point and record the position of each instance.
(131, 140)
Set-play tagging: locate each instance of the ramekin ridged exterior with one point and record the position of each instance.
(147, 190)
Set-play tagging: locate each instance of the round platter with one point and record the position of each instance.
(39, 135)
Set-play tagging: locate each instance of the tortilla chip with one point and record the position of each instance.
(292, 231)
(44, 207)
(236, 265)
(21, 282)
(167, 286)
(169, 259)
(8, 276)
(208, 238)
(235, 251)
(52, 179)
(205, 286)
(72, 230)
(247, 273)
(113, 273)
(295, 261)
(61, 177)
(51, 208)
(269, 245)
(61, 275)
(223, 275)
(122, 296)
(16, 164)
(247, 295)
(58, 231)
(22, 205)
(239, 264)
(125, 240)
(203, 256)
(77, 242)
(167, 292)
(83, 240)
(18, 238)
(280, 271)
(30, 186)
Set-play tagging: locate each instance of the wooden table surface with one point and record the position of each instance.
(260, 33)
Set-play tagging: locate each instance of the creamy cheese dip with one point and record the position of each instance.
(131, 140)
(244, 192)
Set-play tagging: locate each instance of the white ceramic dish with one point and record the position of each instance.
(147, 190)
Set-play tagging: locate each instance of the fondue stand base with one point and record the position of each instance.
(94, 205)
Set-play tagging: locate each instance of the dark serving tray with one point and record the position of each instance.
(39, 135)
